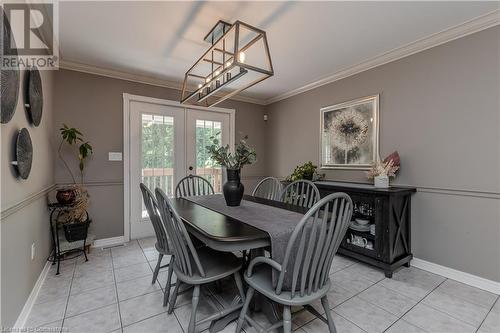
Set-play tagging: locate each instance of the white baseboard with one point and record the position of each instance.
(105, 242)
(466, 278)
(23, 316)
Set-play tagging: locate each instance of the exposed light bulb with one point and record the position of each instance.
(207, 80)
(217, 73)
(200, 85)
(229, 63)
(241, 57)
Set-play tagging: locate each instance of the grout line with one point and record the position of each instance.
(491, 309)
(69, 294)
(116, 292)
(415, 306)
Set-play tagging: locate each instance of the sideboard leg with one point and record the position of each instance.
(388, 274)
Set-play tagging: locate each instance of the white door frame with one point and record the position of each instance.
(127, 98)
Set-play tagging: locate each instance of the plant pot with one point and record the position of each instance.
(233, 188)
(381, 181)
(66, 196)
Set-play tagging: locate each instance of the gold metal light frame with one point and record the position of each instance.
(214, 77)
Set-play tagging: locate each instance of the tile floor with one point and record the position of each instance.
(113, 293)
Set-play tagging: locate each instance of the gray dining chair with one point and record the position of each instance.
(306, 264)
(193, 185)
(301, 192)
(161, 244)
(268, 188)
(196, 267)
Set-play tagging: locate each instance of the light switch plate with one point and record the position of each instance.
(114, 156)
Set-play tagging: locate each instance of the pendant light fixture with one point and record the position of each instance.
(237, 59)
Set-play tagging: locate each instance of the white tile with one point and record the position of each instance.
(84, 284)
(123, 249)
(205, 309)
(457, 307)
(133, 272)
(338, 295)
(91, 300)
(55, 326)
(47, 312)
(468, 293)
(433, 320)
(93, 269)
(350, 281)
(158, 324)
(102, 320)
(163, 276)
(302, 317)
(402, 326)
(388, 300)
(141, 307)
(368, 272)
(413, 282)
(365, 315)
(147, 243)
(339, 263)
(132, 258)
(136, 287)
(53, 289)
(492, 322)
(152, 255)
(341, 324)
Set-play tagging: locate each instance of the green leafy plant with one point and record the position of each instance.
(72, 137)
(305, 171)
(243, 154)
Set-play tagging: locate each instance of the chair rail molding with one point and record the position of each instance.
(8, 211)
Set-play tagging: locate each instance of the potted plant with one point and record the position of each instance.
(233, 162)
(306, 171)
(381, 171)
(75, 195)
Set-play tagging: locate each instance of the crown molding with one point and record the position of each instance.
(138, 78)
(469, 27)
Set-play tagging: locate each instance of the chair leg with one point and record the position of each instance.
(194, 307)
(166, 293)
(239, 285)
(244, 309)
(171, 302)
(157, 268)
(326, 307)
(287, 320)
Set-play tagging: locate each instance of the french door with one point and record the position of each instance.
(167, 142)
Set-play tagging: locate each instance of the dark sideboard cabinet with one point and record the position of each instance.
(389, 210)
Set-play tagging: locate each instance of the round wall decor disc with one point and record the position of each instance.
(9, 78)
(34, 95)
(24, 153)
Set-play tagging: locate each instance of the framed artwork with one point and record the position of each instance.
(349, 134)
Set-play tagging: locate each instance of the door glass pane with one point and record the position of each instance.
(157, 147)
(205, 166)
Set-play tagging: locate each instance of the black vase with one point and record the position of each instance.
(233, 188)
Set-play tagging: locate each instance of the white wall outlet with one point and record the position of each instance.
(115, 156)
(33, 249)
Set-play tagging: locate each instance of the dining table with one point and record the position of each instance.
(223, 230)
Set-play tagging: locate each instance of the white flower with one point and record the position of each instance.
(349, 129)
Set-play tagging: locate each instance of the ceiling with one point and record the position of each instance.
(308, 40)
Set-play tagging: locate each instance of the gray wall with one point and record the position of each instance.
(440, 109)
(24, 211)
(94, 104)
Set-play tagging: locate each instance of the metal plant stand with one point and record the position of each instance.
(76, 234)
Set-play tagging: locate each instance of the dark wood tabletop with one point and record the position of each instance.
(220, 231)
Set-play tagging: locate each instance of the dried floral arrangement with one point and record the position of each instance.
(388, 167)
(222, 155)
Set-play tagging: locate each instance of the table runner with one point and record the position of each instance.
(278, 223)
